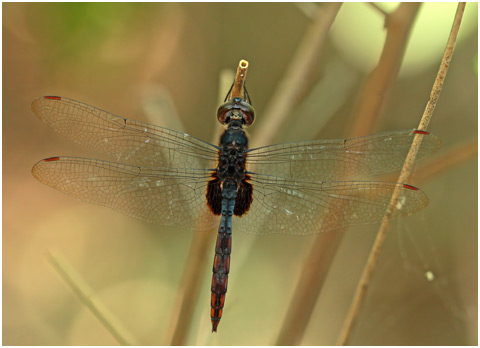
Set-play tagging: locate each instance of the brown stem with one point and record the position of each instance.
(325, 245)
(189, 288)
(198, 255)
(379, 85)
(310, 283)
(293, 84)
(404, 175)
(239, 83)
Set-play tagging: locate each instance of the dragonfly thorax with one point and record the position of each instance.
(232, 155)
(233, 138)
(231, 170)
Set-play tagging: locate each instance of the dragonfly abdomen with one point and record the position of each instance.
(221, 262)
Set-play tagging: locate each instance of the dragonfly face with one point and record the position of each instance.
(236, 109)
(168, 177)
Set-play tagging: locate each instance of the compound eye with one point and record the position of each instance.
(223, 112)
(248, 113)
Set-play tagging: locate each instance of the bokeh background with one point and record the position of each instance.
(161, 63)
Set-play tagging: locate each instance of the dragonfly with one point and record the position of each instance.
(168, 177)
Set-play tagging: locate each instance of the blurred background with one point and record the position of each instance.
(160, 63)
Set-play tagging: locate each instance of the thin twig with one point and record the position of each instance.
(325, 245)
(293, 84)
(198, 256)
(404, 175)
(239, 83)
(88, 297)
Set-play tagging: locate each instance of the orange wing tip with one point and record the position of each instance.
(52, 97)
(410, 187)
(51, 159)
(417, 131)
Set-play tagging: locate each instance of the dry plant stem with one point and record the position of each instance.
(189, 289)
(239, 83)
(311, 281)
(198, 256)
(379, 85)
(404, 175)
(88, 298)
(320, 258)
(277, 111)
(293, 84)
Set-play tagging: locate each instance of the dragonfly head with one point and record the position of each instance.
(236, 110)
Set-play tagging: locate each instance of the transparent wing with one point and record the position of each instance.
(331, 160)
(173, 197)
(294, 207)
(124, 140)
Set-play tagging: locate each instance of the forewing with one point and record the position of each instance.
(173, 197)
(121, 139)
(294, 207)
(333, 160)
